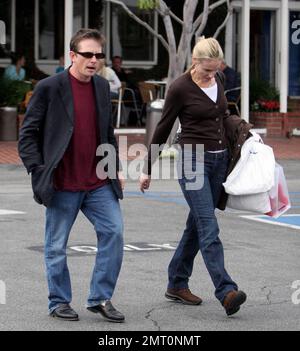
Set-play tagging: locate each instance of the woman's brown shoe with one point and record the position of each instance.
(183, 295)
(233, 301)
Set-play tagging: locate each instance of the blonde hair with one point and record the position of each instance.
(207, 49)
(103, 72)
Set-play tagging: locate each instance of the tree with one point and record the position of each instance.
(192, 27)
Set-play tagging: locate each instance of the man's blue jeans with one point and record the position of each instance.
(202, 229)
(102, 209)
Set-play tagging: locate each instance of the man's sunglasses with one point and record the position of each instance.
(89, 55)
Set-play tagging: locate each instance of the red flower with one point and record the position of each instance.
(268, 105)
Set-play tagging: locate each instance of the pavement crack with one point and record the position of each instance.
(268, 292)
(148, 317)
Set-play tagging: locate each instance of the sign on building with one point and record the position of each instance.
(2, 33)
(294, 54)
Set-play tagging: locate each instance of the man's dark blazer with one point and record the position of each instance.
(48, 127)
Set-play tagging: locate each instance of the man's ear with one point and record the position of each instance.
(72, 56)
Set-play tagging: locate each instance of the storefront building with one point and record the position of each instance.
(42, 28)
(262, 37)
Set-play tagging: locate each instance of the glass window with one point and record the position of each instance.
(262, 45)
(78, 14)
(25, 28)
(128, 38)
(51, 29)
(5, 16)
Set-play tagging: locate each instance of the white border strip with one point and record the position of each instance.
(130, 131)
(255, 218)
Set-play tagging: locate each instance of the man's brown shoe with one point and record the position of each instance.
(233, 301)
(183, 295)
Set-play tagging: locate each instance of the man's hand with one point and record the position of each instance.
(144, 181)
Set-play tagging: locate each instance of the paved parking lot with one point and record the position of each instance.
(262, 257)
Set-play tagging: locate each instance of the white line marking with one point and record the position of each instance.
(265, 220)
(10, 212)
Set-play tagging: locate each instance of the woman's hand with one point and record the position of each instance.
(144, 181)
(121, 180)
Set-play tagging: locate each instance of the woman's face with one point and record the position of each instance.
(22, 61)
(206, 69)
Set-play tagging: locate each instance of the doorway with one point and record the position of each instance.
(262, 45)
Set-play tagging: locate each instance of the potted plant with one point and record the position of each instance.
(12, 93)
(264, 102)
(263, 96)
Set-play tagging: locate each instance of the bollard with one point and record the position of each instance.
(153, 117)
(8, 124)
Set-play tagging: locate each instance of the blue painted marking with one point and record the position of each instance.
(177, 197)
(295, 200)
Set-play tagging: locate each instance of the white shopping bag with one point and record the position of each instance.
(279, 194)
(254, 172)
(258, 203)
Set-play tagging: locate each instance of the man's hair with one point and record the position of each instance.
(117, 57)
(85, 33)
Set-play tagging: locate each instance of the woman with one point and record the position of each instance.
(197, 98)
(110, 75)
(15, 70)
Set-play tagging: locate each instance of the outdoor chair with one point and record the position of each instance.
(234, 104)
(124, 104)
(148, 93)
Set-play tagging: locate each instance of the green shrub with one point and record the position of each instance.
(262, 90)
(12, 92)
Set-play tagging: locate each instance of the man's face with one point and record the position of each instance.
(84, 68)
(117, 63)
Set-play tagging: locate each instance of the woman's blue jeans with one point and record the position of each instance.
(102, 209)
(202, 230)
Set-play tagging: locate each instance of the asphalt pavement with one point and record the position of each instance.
(262, 257)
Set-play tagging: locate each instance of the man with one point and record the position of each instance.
(120, 71)
(232, 81)
(68, 116)
(132, 93)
